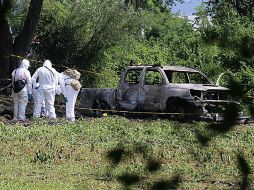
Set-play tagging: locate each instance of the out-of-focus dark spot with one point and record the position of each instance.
(202, 139)
(129, 179)
(115, 155)
(230, 118)
(166, 185)
(245, 170)
(243, 165)
(246, 47)
(6, 6)
(236, 88)
(153, 165)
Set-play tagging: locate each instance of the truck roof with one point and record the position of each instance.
(168, 67)
(178, 68)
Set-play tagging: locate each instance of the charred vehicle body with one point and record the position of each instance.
(167, 89)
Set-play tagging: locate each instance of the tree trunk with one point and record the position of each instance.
(22, 42)
(5, 46)
(24, 39)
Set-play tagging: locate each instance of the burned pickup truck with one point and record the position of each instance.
(179, 91)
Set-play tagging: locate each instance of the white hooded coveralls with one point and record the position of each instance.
(48, 80)
(70, 94)
(36, 100)
(20, 99)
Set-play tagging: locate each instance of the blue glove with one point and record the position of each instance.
(65, 99)
(30, 97)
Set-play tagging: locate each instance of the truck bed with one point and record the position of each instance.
(89, 96)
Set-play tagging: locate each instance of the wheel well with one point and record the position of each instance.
(174, 100)
(101, 103)
(179, 102)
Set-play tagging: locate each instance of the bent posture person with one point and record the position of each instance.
(70, 87)
(48, 80)
(22, 89)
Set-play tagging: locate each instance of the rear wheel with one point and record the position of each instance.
(99, 107)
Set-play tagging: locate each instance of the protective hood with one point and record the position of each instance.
(47, 63)
(24, 64)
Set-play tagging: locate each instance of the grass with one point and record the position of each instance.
(74, 156)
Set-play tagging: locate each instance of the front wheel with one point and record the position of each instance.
(180, 109)
(175, 110)
(99, 107)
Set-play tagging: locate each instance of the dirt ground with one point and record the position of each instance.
(6, 108)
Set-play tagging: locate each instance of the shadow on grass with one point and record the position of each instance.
(245, 171)
(153, 165)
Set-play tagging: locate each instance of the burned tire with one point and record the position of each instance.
(98, 107)
(181, 109)
(175, 108)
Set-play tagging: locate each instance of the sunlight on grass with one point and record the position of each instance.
(74, 156)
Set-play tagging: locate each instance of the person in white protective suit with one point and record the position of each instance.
(36, 100)
(48, 80)
(21, 98)
(70, 88)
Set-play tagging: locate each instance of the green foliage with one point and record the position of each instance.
(17, 15)
(102, 37)
(76, 32)
(230, 32)
(167, 39)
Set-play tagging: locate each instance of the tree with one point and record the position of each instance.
(242, 7)
(230, 30)
(76, 33)
(21, 43)
(162, 5)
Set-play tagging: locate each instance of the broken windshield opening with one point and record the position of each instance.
(181, 77)
(197, 78)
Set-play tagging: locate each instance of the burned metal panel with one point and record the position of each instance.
(150, 97)
(127, 97)
(89, 95)
(129, 88)
(173, 91)
(152, 89)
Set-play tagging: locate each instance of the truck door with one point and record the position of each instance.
(128, 89)
(152, 90)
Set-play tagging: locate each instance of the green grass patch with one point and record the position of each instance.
(76, 156)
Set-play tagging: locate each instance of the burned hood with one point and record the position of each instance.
(201, 87)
